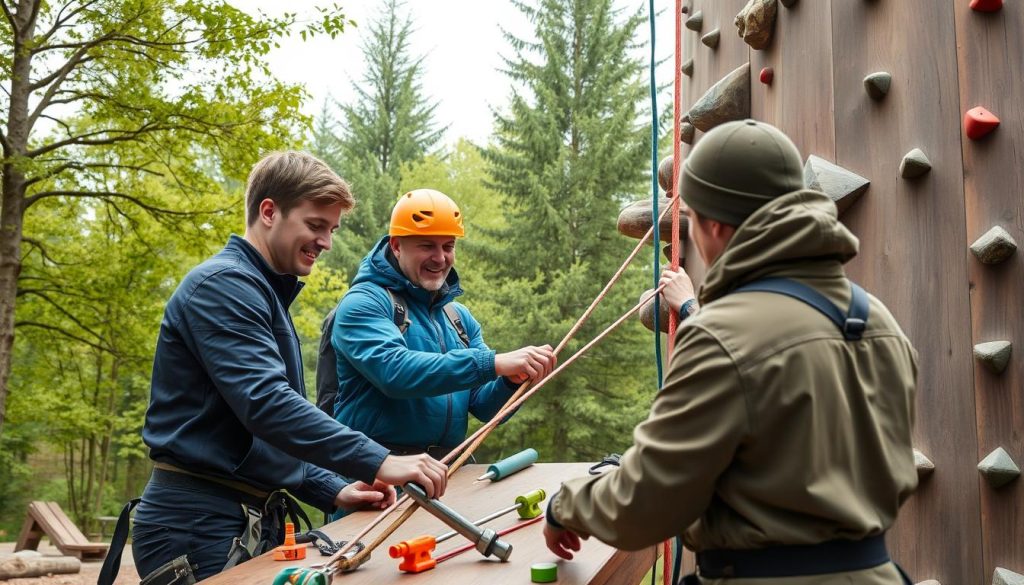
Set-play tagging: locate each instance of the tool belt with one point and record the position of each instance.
(436, 451)
(834, 556)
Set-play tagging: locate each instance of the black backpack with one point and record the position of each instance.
(326, 360)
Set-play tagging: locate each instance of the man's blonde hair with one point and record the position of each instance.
(290, 177)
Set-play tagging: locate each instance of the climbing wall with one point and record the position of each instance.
(911, 116)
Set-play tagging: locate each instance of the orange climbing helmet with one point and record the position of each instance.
(426, 212)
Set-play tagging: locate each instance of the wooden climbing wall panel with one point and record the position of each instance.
(913, 254)
(990, 59)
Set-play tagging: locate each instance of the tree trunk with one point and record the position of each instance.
(34, 565)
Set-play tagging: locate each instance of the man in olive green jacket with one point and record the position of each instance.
(772, 431)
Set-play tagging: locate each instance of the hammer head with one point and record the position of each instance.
(529, 504)
(489, 544)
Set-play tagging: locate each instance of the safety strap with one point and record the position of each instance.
(401, 316)
(852, 324)
(112, 562)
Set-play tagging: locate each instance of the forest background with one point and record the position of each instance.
(130, 126)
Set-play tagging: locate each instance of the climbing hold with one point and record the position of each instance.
(687, 68)
(915, 164)
(924, 465)
(994, 246)
(978, 122)
(685, 10)
(998, 468)
(727, 100)
(696, 21)
(686, 132)
(994, 355)
(929, 582)
(711, 39)
(755, 22)
(635, 219)
(842, 186)
(665, 173)
(877, 84)
(767, 75)
(986, 5)
(647, 313)
(788, 3)
(1003, 576)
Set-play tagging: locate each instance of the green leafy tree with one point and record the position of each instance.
(572, 148)
(101, 93)
(389, 124)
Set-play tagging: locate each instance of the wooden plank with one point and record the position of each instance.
(30, 535)
(991, 56)
(912, 254)
(799, 101)
(591, 565)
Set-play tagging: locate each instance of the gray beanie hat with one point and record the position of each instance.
(738, 167)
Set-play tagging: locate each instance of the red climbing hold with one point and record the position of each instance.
(978, 122)
(986, 5)
(767, 74)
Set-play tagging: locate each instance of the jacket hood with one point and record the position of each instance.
(377, 268)
(797, 235)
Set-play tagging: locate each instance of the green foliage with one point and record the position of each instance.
(571, 150)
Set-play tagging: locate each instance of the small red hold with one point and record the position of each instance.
(767, 74)
(978, 122)
(986, 5)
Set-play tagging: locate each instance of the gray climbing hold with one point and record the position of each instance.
(755, 22)
(789, 3)
(727, 100)
(665, 173)
(695, 21)
(1003, 576)
(687, 68)
(994, 355)
(995, 246)
(998, 468)
(686, 132)
(711, 39)
(647, 313)
(915, 164)
(924, 465)
(878, 84)
(635, 219)
(929, 582)
(842, 186)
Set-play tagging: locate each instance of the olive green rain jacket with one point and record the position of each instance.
(771, 429)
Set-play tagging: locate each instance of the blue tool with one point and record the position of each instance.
(509, 465)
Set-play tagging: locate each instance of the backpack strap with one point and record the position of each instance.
(456, 320)
(326, 367)
(852, 324)
(400, 311)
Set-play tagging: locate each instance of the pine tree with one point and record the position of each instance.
(389, 124)
(572, 149)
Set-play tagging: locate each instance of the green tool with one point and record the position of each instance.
(509, 465)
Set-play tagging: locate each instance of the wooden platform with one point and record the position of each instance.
(47, 518)
(596, 564)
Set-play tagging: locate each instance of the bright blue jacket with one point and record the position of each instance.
(416, 389)
(228, 397)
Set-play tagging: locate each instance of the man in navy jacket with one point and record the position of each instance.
(228, 420)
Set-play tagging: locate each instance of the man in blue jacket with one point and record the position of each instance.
(228, 421)
(413, 392)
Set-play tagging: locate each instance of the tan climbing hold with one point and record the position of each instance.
(665, 173)
(711, 39)
(635, 219)
(842, 186)
(924, 465)
(727, 100)
(998, 468)
(687, 68)
(755, 22)
(647, 313)
(994, 246)
(915, 164)
(1003, 576)
(994, 355)
(686, 132)
(695, 21)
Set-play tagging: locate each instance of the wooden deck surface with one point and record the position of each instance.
(595, 564)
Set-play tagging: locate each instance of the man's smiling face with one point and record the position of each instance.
(425, 260)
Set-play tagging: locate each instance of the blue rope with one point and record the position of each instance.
(654, 197)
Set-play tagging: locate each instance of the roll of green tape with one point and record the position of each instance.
(544, 573)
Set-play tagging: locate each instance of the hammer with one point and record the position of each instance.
(486, 540)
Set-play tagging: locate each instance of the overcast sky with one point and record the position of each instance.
(462, 43)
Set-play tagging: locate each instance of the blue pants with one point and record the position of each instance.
(173, 521)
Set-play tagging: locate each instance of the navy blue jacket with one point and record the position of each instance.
(415, 389)
(228, 397)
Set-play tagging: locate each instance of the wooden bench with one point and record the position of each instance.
(47, 518)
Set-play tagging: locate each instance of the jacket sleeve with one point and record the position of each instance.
(229, 316)
(667, 478)
(319, 488)
(486, 399)
(365, 335)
